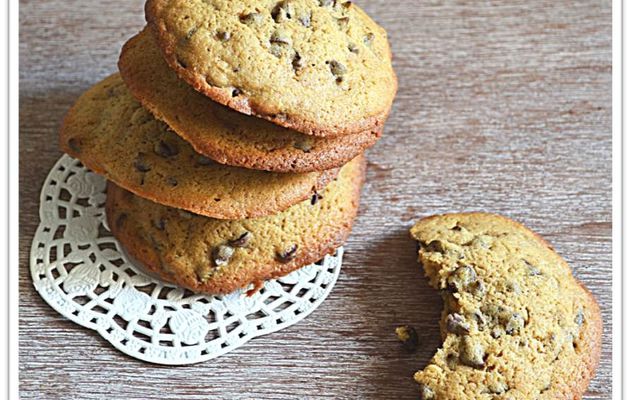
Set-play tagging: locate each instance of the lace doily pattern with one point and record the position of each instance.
(81, 271)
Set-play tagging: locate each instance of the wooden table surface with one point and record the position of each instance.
(503, 106)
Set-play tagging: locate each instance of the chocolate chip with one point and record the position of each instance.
(426, 393)
(579, 318)
(477, 289)
(533, 271)
(408, 337)
(224, 36)
(282, 11)
(140, 163)
(455, 323)
(434, 246)
(288, 254)
(343, 22)
(337, 68)
(243, 240)
(471, 353)
(482, 241)
(452, 360)
(280, 43)
(462, 278)
(222, 254)
(315, 198)
(236, 92)
(165, 149)
(480, 319)
(545, 388)
(514, 324)
(297, 62)
(368, 39)
(305, 20)
(251, 18)
(353, 48)
(346, 4)
(494, 312)
(74, 144)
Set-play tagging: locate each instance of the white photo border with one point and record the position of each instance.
(9, 201)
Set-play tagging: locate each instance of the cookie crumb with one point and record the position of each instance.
(408, 337)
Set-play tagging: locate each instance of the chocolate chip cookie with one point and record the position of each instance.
(220, 133)
(112, 134)
(218, 256)
(321, 67)
(516, 323)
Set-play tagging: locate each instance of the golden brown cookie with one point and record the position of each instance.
(218, 256)
(516, 323)
(220, 133)
(113, 135)
(318, 67)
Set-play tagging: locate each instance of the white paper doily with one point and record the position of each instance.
(82, 272)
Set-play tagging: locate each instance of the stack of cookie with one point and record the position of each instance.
(233, 136)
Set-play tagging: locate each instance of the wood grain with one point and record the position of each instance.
(503, 106)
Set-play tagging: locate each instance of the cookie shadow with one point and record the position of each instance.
(392, 291)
